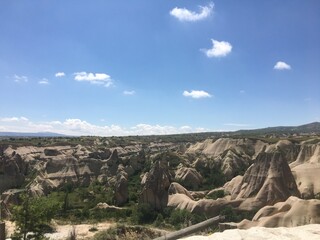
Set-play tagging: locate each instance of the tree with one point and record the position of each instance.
(32, 217)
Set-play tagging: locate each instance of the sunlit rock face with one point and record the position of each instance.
(267, 181)
(291, 213)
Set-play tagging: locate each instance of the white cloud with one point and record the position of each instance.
(78, 127)
(129, 92)
(95, 78)
(13, 119)
(219, 49)
(60, 74)
(44, 81)
(197, 94)
(20, 78)
(282, 66)
(184, 14)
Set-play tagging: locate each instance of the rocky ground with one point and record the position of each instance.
(310, 232)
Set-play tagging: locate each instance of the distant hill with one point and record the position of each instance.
(39, 134)
(306, 128)
(311, 128)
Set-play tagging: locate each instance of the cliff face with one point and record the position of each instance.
(12, 171)
(243, 146)
(267, 181)
(155, 185)
(290, 213)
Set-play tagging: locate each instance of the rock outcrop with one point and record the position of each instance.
(208, 207)
(155, 185)
(176, 188)
(307, 178)
(242, 146)
(267, 181)
(12, 171)
(309, 153)
(291, 213)
(121, 189)
(189, 177)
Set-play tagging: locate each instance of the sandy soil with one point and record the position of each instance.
(63, 231)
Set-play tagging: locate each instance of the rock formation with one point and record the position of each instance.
(121, 189)
(208, 207)
(242, 146)
(189, 177)
(155, 185)
(267, 181)
(291, 213)
(12, 171)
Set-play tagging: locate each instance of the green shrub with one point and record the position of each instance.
(233, 215)
(183, 218)
(32, 217)
(143, 213)
(216, 194)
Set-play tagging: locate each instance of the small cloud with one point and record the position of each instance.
(219, 49)
(13, 119)
(129, 92)
(196, 94)
(20, 78)
(60, 74)
(186, 128)
(44, 81)
(282, 66)
(183, 14)
(94, 78)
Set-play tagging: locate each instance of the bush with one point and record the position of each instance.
(232, 215)
(32, 217)
(216, 194)
(183, 218)
(143, 213)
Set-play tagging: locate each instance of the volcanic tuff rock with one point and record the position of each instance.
(307, 178)
(267, 181)
(177, 188)
(208, 207)
(155, 185)
(121, 189)
(12, 171)
(189, 177)
(306, 169)
(231, 156)
(242, 146)
(291, 213)
(309, 153)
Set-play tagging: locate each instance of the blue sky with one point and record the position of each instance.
(155, 67)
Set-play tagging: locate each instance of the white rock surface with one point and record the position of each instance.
(309, 232)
